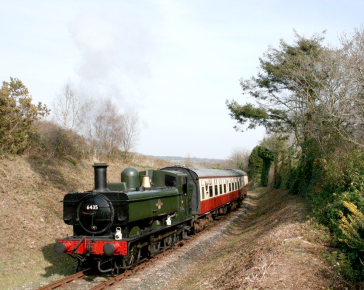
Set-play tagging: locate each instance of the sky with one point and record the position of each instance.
(174, 62)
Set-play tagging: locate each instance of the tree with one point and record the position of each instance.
(68, 107)
(109, 131)
(284, 89)
(283, 149)
(267, 156)
(342, 94)
(106, 128)
(130, 132)
(17, 116)
(239, 159)
(255, 165)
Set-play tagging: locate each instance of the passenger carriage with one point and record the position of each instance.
(215, 191)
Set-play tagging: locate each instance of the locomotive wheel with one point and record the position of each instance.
(177, 237)
(168, 242)
(134, 257)
(154, 247)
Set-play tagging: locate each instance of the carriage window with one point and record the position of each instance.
(170, 180)
(203, 192)
(210, 191)
(224, 188)
(233, 186)
(236, 185)
(239, 184)
(216, 190)
(229, 186)
(220, 188)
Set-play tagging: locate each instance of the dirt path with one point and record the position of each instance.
(266, 244)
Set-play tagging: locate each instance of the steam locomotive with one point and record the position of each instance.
(118, 225)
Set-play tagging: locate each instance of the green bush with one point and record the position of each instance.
(343, 267)
(300, 178)
(339, 181)
(255, 166)
(352, 227)
(267, 157)
(333, 211)
(17, 117)
(342, 178)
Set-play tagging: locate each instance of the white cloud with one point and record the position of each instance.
(114, 42)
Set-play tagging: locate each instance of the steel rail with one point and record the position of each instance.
(64, 281)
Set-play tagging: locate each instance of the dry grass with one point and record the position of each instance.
(272, 246)
(31, 214)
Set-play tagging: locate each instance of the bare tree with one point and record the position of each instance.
(130, 132)
(338, 109)
(109, 131)
(347, 102)
(105, 130)
(238, 159)
(68, 107)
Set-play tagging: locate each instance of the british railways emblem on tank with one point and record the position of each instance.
(159, 204)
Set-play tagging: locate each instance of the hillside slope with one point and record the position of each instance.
(31, 213)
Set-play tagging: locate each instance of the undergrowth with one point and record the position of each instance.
(334, 188)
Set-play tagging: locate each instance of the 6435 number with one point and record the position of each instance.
(92, 207)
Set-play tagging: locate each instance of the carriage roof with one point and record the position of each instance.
(218, 172)
(204, 173)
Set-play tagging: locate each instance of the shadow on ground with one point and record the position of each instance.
(64, 265)
(60, 264)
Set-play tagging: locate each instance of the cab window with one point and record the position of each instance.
(170, 181)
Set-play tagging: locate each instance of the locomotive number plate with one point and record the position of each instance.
(92, 207)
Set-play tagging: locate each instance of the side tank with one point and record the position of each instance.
(152, 203)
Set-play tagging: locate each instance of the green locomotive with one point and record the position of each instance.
(118, 225)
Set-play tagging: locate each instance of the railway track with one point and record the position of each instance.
(66, 283)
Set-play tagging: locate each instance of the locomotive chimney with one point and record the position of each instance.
(100, 176)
